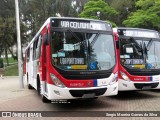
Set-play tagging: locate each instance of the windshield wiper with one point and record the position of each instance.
(74, 35)
(145, 54)
(138, 48)
(135, 42)
(95, 39)
(144, 48)
(149, 44)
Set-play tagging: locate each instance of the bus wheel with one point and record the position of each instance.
(38, 86)
(45, 100)
(29, 86)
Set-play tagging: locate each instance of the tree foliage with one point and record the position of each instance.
(35, 12)
(6, 24)
(8, 27)
(124, 7)
(146, 16)
(99, 10)
(93, 6)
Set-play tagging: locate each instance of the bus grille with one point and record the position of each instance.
(146, 85)
(80, 93)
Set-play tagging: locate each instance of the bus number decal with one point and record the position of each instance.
(134, 61)
(70, 61)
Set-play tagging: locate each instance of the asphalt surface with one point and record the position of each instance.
(13, 98)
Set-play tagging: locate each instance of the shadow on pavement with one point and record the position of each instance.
(132, 95)
(76, 104)
(155, 90)
(83, 105)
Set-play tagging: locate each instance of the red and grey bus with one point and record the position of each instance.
(139, 58)
(72, 58)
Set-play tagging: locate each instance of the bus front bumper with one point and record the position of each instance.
(124, 85)
(55, 93)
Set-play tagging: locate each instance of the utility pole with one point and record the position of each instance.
(20, 63)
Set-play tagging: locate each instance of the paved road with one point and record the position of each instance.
(14, 99)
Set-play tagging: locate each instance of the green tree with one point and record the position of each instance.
(124, 7)
(146, 16)
(8, 28)
(35, 12)
(93, 6)
(7, 35)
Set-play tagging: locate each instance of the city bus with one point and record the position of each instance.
(72, 58)
(138, 58)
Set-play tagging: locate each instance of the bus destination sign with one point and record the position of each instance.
(81, 24)
(141, 33)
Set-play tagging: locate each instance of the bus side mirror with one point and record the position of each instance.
(117, 44)
(46, 39)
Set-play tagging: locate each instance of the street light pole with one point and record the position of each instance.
(20, 63)
(98, 14)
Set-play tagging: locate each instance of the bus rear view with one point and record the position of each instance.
(77, 60)
(139, 58)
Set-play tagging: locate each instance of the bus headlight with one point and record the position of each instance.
(56, 81)
(124, 76)
(114, 78)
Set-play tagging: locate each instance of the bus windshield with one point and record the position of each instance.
(140, 53)
(72, 50)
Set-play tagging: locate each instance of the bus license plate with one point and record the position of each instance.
(146, 87)
(90, 95)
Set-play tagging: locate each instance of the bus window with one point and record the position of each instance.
(38, 49)
(34, 48)
(28, 54)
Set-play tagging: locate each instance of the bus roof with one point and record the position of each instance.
(73, 18)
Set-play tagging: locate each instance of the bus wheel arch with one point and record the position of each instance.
(28, 84)
(39, 90)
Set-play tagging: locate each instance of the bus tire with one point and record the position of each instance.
(45, 100)
(38, 86)
(28, 85)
